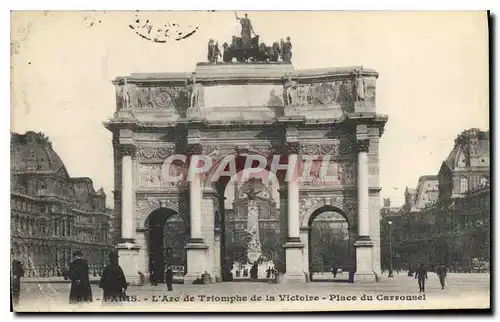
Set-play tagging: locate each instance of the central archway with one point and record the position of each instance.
(243, 237)
(330, 246)
(167, 235)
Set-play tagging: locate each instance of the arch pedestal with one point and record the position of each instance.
(129, 261)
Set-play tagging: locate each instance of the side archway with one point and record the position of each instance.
(146, 207)
(164, 235)
(327, 235)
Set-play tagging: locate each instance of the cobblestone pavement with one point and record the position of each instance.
(461, 291)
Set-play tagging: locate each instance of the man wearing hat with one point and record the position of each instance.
(78, 273)
(113, 282)
(169, 277)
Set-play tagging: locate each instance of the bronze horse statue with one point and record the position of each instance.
(254, 53)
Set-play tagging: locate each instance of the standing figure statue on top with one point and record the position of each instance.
(291, 96)
(126, 95)
(246, 30)
(359, 86)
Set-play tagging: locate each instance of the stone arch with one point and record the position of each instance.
(160, 241)
(346, 261)
(310, 207)
(147, 207)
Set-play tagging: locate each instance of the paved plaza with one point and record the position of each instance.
(461, 291)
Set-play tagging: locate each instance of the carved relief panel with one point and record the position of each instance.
(162, 97)
(334, 148)
(153, 176)
(331, 174)
(154, 152)
(325, 93)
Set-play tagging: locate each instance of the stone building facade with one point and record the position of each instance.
(239, 110)
(424, 195)
(52, 214)
(467, 166)
(455, 228)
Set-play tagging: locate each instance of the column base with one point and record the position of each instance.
(129, 262)
(365, 277)
(196, 261)
(364, 271)
(294, 261)
(294, 278)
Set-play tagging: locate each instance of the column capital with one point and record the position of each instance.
(127, 149)
(363, 145)
(293, 148)
(194, 149)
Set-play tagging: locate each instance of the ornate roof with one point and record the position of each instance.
(32, 152)
(472, 142)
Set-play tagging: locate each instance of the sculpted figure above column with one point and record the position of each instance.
(291, 97)
(195, 97)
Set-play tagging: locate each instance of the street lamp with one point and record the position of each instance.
(390, 249)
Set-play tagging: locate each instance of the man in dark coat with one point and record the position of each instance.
(254, 271)
(17, 273)
(421, 275)
(113, 282)
(169, 277)
(441, 272)
(153, 273)
(78, 273)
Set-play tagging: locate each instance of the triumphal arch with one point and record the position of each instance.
(242, 109)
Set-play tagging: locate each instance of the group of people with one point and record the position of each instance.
(112, 282)
(421, 276)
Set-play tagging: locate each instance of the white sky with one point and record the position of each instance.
(433, 76)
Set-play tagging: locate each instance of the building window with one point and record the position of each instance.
(464, 185)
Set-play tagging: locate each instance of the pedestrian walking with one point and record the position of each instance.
(78, 273)
(441, 272)
(152, 273)
(169, 277)
(17, 272)
(334, 271)
(113, 282)
(421, 276)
